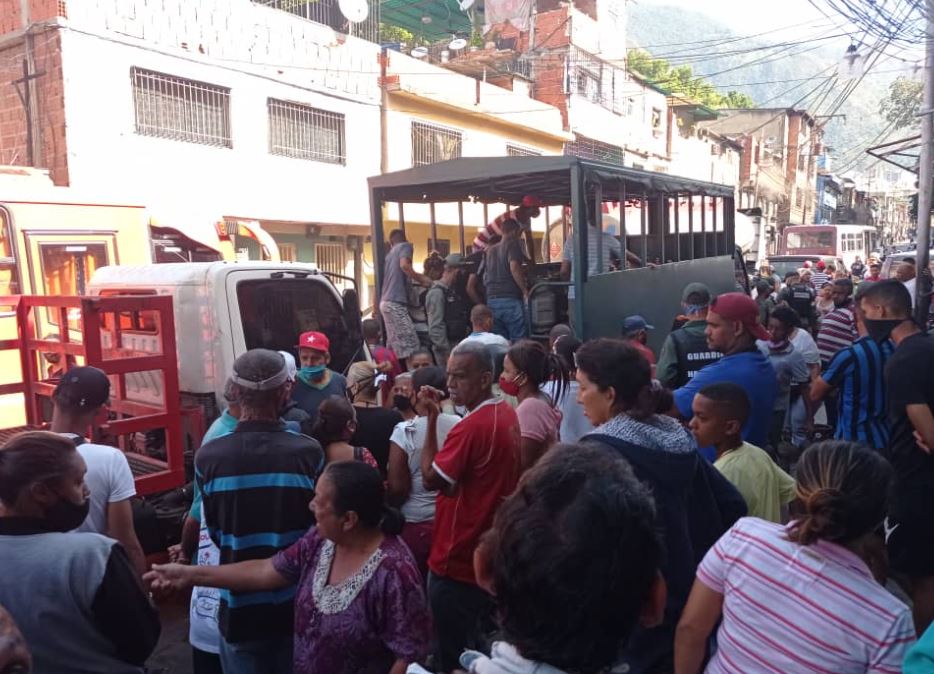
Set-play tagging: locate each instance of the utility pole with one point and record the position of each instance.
(926, 174)
(25, 97)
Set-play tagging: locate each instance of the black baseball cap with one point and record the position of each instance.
(83, 388)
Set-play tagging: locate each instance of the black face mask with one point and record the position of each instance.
(402, 403)
(880, 329)
(65, 516)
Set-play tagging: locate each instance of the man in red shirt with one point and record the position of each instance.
(875, 272)
(636, 332)
(475, 470)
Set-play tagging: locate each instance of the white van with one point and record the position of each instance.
(225, 308)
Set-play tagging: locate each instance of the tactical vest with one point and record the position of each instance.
(693, 355)
(456, 316)
(800, 298)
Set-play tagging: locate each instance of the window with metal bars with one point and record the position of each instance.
(180, 109)
(303, 132)
(588, 148)
(513, 150)
(432, 143)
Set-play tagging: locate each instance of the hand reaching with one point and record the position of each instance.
(169, 577)
(431, 399)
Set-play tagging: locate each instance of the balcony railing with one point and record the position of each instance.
(328, 13)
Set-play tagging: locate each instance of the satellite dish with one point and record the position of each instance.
(457, 44)
(419, 52)
(355, 11)
(465, 4)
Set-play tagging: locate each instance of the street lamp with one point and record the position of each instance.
(852, 63)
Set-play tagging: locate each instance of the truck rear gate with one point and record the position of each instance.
(90, 332)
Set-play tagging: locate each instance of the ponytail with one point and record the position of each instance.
(540, 366)
(651, 399)
(845, 488)
(392, 521)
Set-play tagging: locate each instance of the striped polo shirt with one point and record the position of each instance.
(837, 331)
(802, 609)
(256, 484)
(857, 371)
(819, 279)
(494, 230)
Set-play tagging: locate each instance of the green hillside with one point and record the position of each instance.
(776, 77)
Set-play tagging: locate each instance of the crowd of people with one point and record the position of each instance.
(468, 500)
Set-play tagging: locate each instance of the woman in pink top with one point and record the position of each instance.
(526, 367)
(801, 598)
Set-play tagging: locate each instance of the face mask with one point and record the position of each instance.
(778, 346)
(879, 329)
(66, 516)
(402, 402)
(508, 386)
(313, 371)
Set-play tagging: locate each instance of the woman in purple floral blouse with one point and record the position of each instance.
(360, 607)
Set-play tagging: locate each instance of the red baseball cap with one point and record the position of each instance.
(531, 202)
(821, 264)
(316, 341)
(742, 308)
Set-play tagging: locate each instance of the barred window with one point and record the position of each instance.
(589, 148)
(432, 143)
(513, 150)
(179, 109)
(303, 132)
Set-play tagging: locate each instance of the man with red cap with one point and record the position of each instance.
(732, 329)
(820, 278)
(523, 214)
(314, 381)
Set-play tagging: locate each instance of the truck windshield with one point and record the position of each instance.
(276, 311)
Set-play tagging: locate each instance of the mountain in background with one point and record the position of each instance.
(674, 33)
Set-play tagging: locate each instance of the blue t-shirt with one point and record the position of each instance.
(310, 398)
(749, 369)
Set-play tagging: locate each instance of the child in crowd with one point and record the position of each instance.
(720, 410)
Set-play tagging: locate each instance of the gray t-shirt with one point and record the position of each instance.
(790, 367)
(497, 276)
(611, 250)
(395, 282)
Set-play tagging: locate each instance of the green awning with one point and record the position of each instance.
(446, 18)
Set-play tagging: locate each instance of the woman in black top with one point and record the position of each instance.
(374, 423)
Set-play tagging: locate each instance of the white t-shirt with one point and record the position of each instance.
(410, 436)
(910, 287)
(807, 347)
(574, 423)
(109, 479)
(487, 339)
(203, 630)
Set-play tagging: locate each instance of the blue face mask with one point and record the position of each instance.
(313, 371)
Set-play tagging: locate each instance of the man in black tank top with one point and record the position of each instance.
(685, 350)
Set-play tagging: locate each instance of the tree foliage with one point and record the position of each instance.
(681, 80)
(903, 102)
